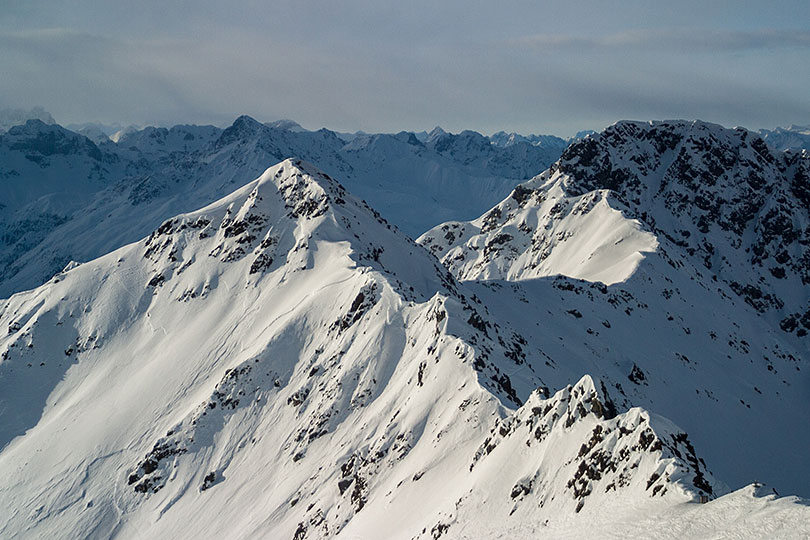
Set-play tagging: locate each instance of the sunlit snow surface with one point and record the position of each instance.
(283, 363)
(703, 240)
(64, 197)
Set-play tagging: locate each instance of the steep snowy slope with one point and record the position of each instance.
(540, 230)
(694, 241)
(127, 188)
(284, 364)
(734, 208)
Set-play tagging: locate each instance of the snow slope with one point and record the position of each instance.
(81, 205)
(283, 363)
(581, 236)
(693, 240)
(734, 208)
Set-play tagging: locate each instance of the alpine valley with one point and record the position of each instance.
(617, 349)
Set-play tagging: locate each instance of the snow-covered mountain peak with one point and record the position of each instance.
(639, 160)
(465, 143)
(541, 230)
(248, 140)
(434, 134)
(735, 208)
(281, 220)
(38, 138)
(586, 396)
(243, 127)
(287, 335)
(602, 451)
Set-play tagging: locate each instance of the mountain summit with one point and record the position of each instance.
(693, 243)
(737, 210)
(285, 363)
(288, 336)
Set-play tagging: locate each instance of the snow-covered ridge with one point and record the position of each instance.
(540, 230)
(737, 209)
(698, 271)
(65, 197)
(286, 335)
(630, 450)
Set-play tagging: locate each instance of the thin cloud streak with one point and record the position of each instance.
(675, 40)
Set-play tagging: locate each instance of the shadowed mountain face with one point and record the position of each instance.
(701, 235)
(735, 209)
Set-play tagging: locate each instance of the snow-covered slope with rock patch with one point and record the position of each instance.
(284, 363)
(693, 240)
(82, 205)
(737, 210)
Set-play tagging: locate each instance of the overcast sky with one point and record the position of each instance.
(526, 66)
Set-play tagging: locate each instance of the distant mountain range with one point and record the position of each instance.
(789, 138)
(69, 197)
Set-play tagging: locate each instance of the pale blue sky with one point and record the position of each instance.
(543, 67)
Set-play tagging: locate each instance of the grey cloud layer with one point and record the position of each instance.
(361, 65)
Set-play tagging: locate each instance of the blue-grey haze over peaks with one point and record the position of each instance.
(550, 67)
